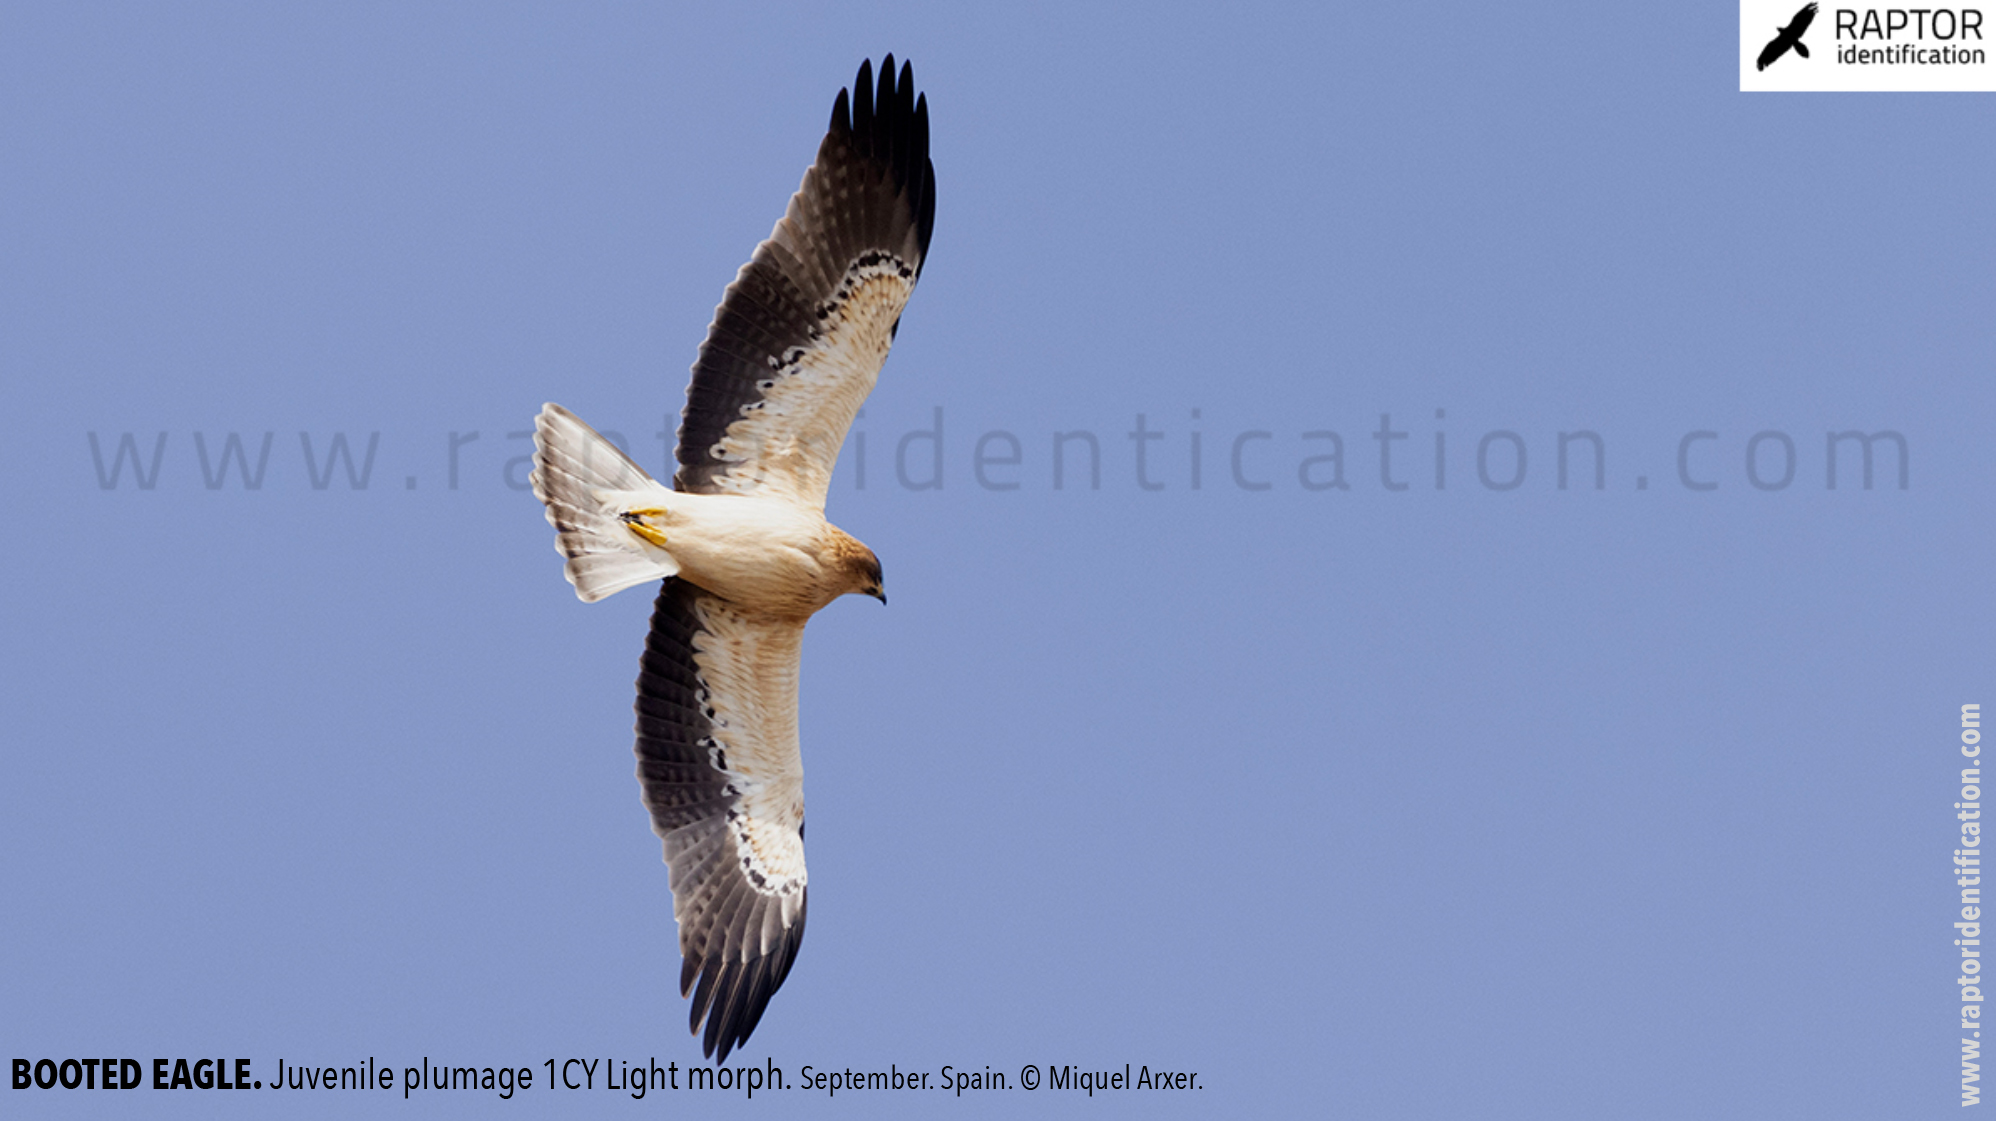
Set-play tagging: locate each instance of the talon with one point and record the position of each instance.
(651, 533)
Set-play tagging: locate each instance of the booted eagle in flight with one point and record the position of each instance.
(741, 541)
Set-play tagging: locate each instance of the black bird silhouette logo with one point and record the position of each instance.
(1790, 36)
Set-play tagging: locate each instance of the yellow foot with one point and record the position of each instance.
(636, 520)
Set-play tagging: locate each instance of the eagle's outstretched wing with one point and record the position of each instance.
(718, 761)
(800, 335)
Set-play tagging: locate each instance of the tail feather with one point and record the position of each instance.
(587, 484)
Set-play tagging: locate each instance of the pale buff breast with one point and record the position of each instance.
(777, 555)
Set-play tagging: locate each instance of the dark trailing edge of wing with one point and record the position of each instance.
(683, 790)
(679, 782)
(871, 188)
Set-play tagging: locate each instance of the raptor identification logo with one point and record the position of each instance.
(1824, 45)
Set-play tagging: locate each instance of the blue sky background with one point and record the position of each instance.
(1445, 802)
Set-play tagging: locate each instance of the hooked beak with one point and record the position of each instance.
(879, 594)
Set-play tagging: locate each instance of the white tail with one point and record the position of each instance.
(588, 484)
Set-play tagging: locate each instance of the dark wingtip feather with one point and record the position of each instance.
(703, 998)
(734, 1026)
(758, 997)
(883, 104)
(925, 201)
(727, 991)
(841, 116)
(862, 108)
(913, 148)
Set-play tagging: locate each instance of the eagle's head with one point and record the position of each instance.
(866, 574)
(858, 570)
